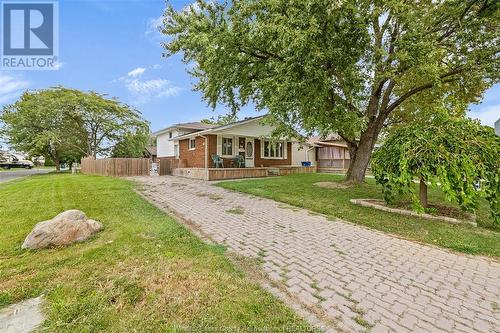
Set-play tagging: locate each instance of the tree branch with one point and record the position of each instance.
(418, 89)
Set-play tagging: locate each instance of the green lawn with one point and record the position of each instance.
(299, 190)
(143, 273)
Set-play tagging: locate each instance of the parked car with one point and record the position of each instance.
(8, 162)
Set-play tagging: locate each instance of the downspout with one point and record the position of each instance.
(307, 153)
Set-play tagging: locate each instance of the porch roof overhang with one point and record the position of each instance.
(244, 128)
(330, 144)
(193, 126)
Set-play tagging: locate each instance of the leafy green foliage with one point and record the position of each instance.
(132, 145)
(221, 119)
(458, 153)
(39, 124)
(338, 66)
(66, 124)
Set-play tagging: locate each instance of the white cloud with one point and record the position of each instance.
(153, 30)
(143, 90)
(170, 91)
(136, 72)
(137, 86)
(486, 114)
(58, 65)
(11, 87)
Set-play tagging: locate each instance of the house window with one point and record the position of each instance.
(170, 135)
(192, 144)
(176, 151)
(227, 146)
(273, 149)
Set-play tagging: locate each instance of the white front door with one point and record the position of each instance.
(249, 153)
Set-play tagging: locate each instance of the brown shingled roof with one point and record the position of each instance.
(195, 125)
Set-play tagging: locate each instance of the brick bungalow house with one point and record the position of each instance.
(248, 138)
(192, 146)
(192, 151)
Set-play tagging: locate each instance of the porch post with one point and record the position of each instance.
(343, 160)
(206, 151)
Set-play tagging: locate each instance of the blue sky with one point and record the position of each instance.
(113, 47)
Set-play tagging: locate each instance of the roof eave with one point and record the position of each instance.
(191, 135)
(216, 129)
(165, 130)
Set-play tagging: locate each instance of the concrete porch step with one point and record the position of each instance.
(273, 172)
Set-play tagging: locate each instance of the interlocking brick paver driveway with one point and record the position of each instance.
(353, 278)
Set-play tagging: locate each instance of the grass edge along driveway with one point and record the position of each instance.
(144, 272)
(299, 190)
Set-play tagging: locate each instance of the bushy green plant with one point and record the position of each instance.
(455, 153)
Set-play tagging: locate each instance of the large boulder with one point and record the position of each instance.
(64, 229)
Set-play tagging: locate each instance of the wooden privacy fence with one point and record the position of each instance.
(168, 164)
(116, 167)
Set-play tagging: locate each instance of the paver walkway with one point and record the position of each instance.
(355, 279)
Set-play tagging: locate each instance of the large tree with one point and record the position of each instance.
(338, 66)
(60, 122)
(38, 125)
(132, 144)
(103, 121)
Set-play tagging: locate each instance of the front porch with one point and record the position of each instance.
(237, 173)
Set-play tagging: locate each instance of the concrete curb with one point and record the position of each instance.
(370, 203)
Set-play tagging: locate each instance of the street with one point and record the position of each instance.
(17, 173)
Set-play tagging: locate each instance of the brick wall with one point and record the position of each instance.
(272, 162)
(195, 158)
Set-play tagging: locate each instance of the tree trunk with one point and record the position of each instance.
(58, 164)
(361, 156)
(423, 193)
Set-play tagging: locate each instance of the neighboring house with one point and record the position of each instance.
(167, 148)
(497, 127)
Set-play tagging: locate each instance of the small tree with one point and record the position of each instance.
(456, 152)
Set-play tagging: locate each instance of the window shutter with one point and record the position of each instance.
(219, 145)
